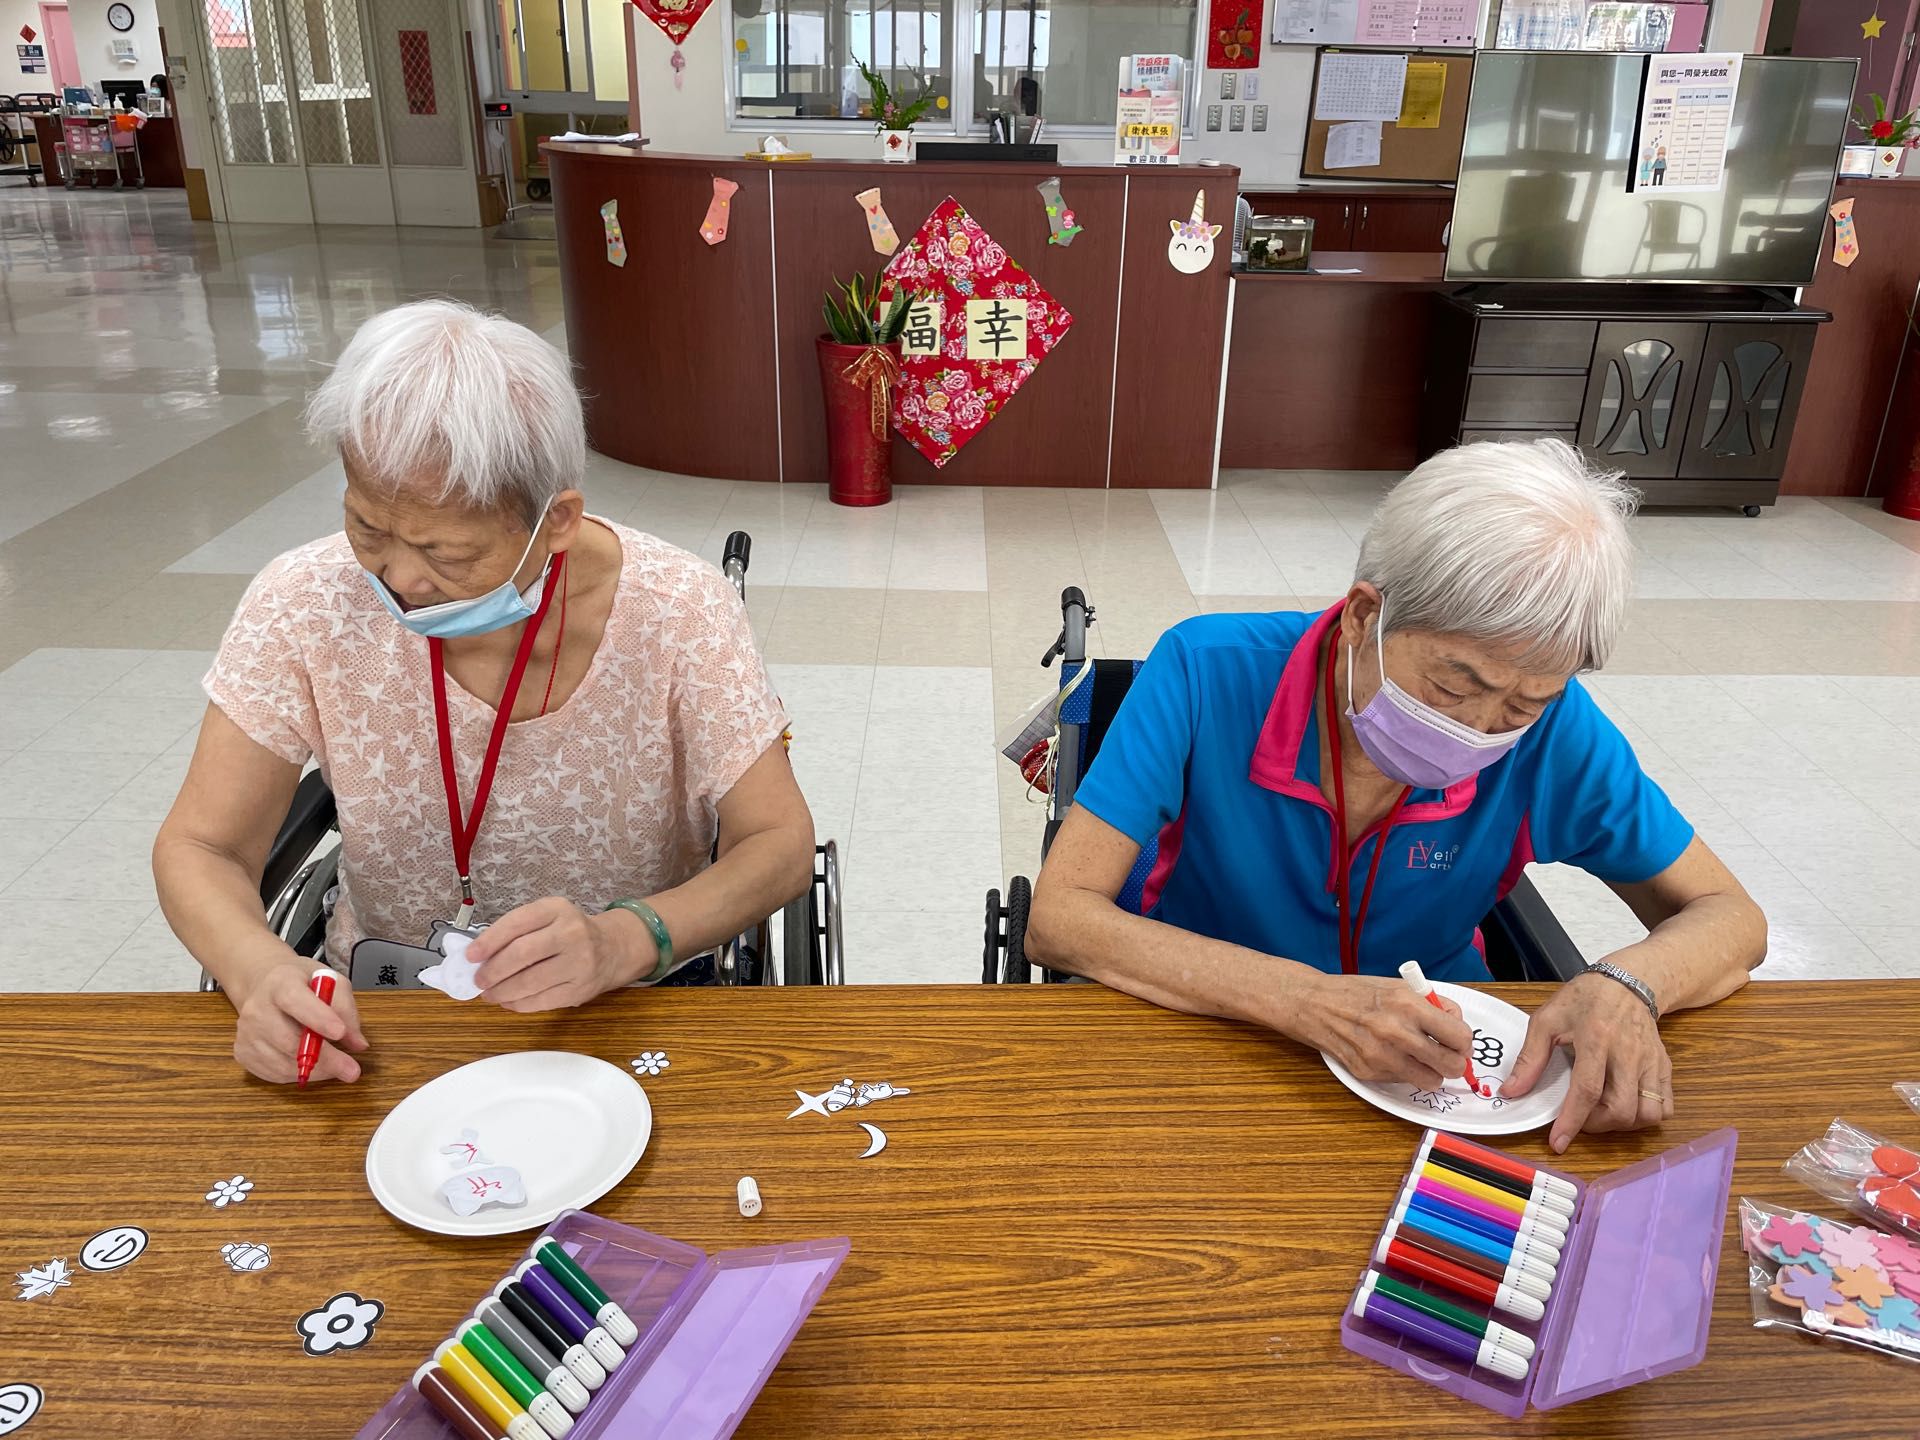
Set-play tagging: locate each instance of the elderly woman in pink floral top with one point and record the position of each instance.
(587, 699)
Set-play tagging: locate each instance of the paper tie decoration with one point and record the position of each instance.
(1846, 242)
(1061, 226)
(713, 229)
(616, 242)
(1191, 249)
(963, 282)
(879, 228)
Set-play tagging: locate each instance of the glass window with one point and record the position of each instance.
(1061, 58)
(795, 59)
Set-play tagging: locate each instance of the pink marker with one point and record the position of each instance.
(1423, 987)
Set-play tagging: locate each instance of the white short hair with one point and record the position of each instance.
(468, 407)
(1518, 544)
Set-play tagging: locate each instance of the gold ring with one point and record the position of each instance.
(1654, 1095)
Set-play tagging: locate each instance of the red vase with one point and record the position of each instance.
(859, 463)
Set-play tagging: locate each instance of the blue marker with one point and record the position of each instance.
(1538, 1247)
(1497, 1251)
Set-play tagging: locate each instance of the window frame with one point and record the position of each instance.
(958, 121)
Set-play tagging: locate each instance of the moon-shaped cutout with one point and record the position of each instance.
(877, 1136)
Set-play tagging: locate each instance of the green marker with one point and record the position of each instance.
(1418, 1299)
(564, 1268)
(515, 1378)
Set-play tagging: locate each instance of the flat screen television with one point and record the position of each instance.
(1544, 168)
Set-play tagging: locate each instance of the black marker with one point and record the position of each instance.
(527, 1310)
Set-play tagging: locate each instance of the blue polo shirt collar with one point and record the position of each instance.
(1285, 763)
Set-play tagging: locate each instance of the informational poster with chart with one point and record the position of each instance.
(1360, 87)
(1316, 22)
(1147, 118)
(1389, 22)
(1685, 112)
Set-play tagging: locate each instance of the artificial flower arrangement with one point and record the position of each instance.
(888, 112)
(1883, 129)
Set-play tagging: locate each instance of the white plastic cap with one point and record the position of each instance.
(749, 1194)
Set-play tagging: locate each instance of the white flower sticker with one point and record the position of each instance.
(344, 1323)
(229, 1192)
(650, 1062)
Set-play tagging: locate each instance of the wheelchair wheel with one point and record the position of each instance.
(1016, 970)
(990, 949)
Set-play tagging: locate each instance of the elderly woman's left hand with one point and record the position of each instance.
(1622, 1075)
(547, 955)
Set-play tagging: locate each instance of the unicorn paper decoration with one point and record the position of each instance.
(1191, 249)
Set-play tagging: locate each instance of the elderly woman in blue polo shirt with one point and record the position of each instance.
(1289, 764)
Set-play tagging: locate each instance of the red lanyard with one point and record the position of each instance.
(1350, 921)
(464, 831)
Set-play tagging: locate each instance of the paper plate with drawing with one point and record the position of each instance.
(1499, 1029)
(978, 328)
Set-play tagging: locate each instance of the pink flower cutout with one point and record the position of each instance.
(1846, 1248)
(1896, 1252)
(1794, 1237)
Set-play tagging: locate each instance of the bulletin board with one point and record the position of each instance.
(1430, 155)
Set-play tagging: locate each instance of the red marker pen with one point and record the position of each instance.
(322, 985)
(1423, 987)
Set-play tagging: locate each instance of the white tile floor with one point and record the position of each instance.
(1770, 678)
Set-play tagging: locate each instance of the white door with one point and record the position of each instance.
(338, 112)
(418, 53)
(260, 168)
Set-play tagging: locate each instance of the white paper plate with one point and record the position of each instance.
(573, 1126)
(1499, 1029)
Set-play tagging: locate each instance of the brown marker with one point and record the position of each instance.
(467, 1419)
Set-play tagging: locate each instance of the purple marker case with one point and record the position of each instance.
(712, 1329)
(1632, 1300)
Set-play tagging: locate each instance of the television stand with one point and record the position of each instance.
(1690, 390)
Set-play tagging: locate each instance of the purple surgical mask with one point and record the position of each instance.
(1410, 741)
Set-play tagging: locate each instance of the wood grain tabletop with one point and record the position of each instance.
(1093, 1218)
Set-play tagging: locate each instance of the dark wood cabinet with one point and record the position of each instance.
(1394, 222)
(1693, 393)
(1639, 393)
(1402, 218)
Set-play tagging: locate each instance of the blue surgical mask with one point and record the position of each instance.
(495, 610)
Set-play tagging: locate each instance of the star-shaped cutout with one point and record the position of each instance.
(1870, 29)
(1794, 1237)
(1899, 1313)
(1862, 1283)
(1811, 1290)
(1844, 1247)
(816, 1103)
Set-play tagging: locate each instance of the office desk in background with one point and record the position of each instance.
(1093, 1217)
(158, 141)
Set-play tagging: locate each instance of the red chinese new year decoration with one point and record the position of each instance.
(1233, 33)
(944, 400)
(675, 17)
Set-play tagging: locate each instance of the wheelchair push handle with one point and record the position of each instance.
(739, 547)
(1075, 615)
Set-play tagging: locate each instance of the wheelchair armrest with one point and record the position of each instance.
(310, 818)
(1522, 927)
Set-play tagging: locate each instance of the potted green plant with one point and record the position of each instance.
(859, 363)
(1890, 135)
(893, 121)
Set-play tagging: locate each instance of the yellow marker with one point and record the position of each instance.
(1542, 1217)
(485, 1391)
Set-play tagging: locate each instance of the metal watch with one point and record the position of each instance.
(1632, 982)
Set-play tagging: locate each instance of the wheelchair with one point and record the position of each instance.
(1522, 939)
(303, 863)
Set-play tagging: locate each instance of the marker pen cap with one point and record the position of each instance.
(749, 1196)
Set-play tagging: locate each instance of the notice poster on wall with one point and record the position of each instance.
(1147, 119)
(32, 59)
(1360, 87)
(1316, 22)
(1685, 112)
(1388, 22)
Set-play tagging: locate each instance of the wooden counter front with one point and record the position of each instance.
(700, 359)
(1326, 371)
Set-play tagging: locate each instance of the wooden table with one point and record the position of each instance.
(1093, 1218)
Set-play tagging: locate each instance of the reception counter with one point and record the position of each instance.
(700, 359)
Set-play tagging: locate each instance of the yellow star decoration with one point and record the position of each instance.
(1870, 29)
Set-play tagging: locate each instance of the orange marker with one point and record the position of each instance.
(1412, 974)
(322, 985)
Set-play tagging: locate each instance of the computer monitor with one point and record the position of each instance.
(132, 91)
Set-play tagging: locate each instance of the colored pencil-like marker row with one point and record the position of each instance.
(1479, 1225)
(526, 1362)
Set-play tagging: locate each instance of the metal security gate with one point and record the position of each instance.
(340, 111)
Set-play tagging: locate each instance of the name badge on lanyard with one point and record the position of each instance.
(464, 829)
